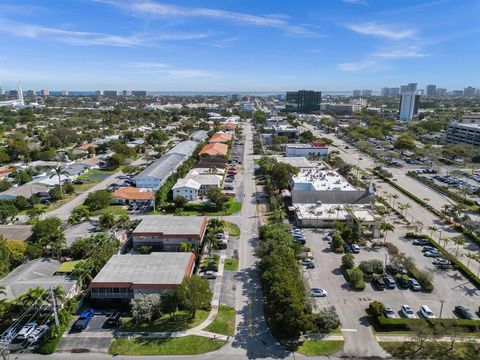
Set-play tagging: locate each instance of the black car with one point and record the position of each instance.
(348, 248)
(402, 283)
(463, 312)
(394, 270)
(301, 241)
(389, 282)
(376, 283)
(114, 320)
(310, 266)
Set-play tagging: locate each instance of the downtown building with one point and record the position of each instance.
(303, 101)
(466, 131)
(409, 100)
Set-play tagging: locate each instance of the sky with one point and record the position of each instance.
(242, 45)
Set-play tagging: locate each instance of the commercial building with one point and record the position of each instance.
(247, 107)
(126, 276)
(304, 101)
(199, 135)
(409, 100)
(64, 93)
(457, 92)
(465, 132)
(285, 130)
(469, 91)
(44, 92)
(296, 161)
(192, 186)
(319, 148)
(441, 92)
(310, 186)
(127, 92)
(431, 90)
(357, 93)
(110, 93)
(139, 92)
(166, 233)
(367, 92)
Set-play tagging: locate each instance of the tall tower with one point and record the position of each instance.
(20, 95)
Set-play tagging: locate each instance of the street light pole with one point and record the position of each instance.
(441, 308)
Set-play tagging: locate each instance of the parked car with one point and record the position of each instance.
(114, 319)
(210, 275)
(420, 242)
(348, 248)
(435, 253)
(376, 283)
(26, 330)
(427, 312)
(389, 313)
(37, 334)
(408, 312)
(301, 241)
(389, 282)
(355, 248)
(306, 262)
(428, 248)
(463, 312)
(441, 262)
(8, 335)
(317, 292)
(402, 282)
(414, 285)
(83, 320)
(310, 266)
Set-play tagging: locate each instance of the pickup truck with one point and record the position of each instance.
(83, 320)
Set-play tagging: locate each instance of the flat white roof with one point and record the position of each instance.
(329, 212)
(320, 180)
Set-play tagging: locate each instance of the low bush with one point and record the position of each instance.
(403, 324)
(355, 278)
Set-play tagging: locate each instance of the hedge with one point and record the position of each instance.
(455, 262)
(399, 324)
(346, 273)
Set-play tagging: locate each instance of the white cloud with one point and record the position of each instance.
(375, 29)
(362, 65)
(147, 65)
(82, 38)
(401, 53)
(153, 68)
(355, 2)
(150, 8)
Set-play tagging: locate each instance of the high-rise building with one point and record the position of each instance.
(367, 92)
(431, 90)
(469, 91)
(98, 92)
(305, 101)
(64, 92)
(394, 91)
(44, 92)
(409, 100)
(457, 92)
(30, 93)
(110, 93)
(139, 92)
(465, 131)
(1, 91)
(357, 93)
(441, 92)
(385, 91)
(127, 93)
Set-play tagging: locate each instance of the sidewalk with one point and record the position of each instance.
(404, 338)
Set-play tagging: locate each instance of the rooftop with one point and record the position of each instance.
(297, 161)
(172, 225)
(16, 232)
(159, 268)
(185, 148)
(334, 212)
(320, 180)
(214, 149)
(185, 182)
(132, 193)
(163, 167)
(220, 137)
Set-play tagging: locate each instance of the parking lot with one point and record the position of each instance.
(450, 286)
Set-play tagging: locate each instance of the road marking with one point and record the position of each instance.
(349, 330)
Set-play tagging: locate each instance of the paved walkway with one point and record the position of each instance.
(404, 338)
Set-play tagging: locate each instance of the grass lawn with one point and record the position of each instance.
(224, 323)
(431, 350)
(67, 266)
(57, 204)
(97, 175)
(181, 321)
(188, 345)
(233, 229)
(320, 347)
(114, 209)
(233, 207)
(209, 261)
(231, 264)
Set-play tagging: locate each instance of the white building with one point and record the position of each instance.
(306, 150)
(247, 107)
(188, 188)
(409, 100)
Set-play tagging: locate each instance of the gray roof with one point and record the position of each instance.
(75, 169)
(26, 190)
(163, 167)
(171, 225)
(199, 135)
(185, 148)
(155, 268)
(35, 273)
(16, 232)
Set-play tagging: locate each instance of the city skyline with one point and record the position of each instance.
(249, 46)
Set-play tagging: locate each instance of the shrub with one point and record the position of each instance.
(377, 266)
(348, 261)
(376, 308)
(355, 278)
(145, 308)
(337, 242)
(366, 267)
(327, 319)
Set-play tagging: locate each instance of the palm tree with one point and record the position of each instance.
(407, 206)
(330, 211)
(124, 220)
(59, 294)
(57, 242)
(31, 297)
(385, 227)
(338, 208)
(107, 220)
(418, 225)
(212, 170)
(394, 197)
(36, 212)
(59, 171)
(432, 230)
(185, 247)
(311, 212)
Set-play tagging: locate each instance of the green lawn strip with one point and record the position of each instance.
(181, 321)
(233, 229)
(231, 264)
(430, 350)
(188, 345)
(320, 347)
(224, 322)
(114, 209)
(233, 207)
(88, 176)
(57, 204)
(50, 346)
(67, 267)
(206, 262)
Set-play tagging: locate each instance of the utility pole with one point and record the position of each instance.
(441, 308)
(55, 314)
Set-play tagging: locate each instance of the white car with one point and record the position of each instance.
(317, 292)
(407, 311)
(26, 330)
(426, 312)
(389, 313)
(306, 262)
(38, 333)
(210, 275)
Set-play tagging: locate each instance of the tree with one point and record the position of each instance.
(35, 212)
(420, 334)
(44, 231)
(405, 142)
(385, 227)
(194, 294)
(185, 247)
(59, 171)
(145, 308)
(106, 220)
(79, 213)
(99, 199)
(131, 169)
(432, 230)
(356, 278)
(169, 304)
(216, 196)
(4, 257)
(348, 261)
(327, 319)
(337, 241)
(32, 296)
(16, 250)
(180, 201)
(55, 193)
(123, 220)
(376, 308)
(115, 161)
